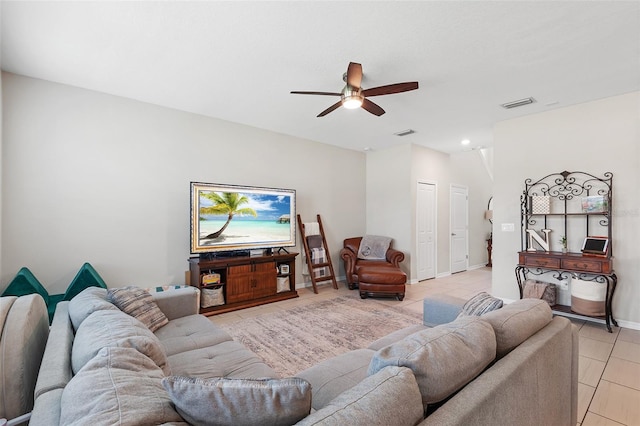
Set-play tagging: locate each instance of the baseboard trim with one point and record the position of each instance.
(476, 267)
(309, 284)
(629, 324)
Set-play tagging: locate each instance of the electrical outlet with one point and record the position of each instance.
(563, 284)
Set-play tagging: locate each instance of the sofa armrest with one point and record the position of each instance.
(350, 258)
(541, 372)
(395, 257)
(55, 369)
(47, 409)
(441, 309)
(24, 336)
(179, 302)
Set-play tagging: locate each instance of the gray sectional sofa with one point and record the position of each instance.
(24, 326)
(516, 365)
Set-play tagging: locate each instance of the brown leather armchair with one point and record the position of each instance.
(373, 276)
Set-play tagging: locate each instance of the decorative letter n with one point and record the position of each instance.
(533, 235)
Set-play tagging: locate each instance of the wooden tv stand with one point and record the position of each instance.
(246, 281)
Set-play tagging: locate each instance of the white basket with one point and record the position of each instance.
(283, 284)
(588, 297)
(213, 296)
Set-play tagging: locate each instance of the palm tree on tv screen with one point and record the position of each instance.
(226, 203)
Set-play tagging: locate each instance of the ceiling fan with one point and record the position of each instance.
(353, 96)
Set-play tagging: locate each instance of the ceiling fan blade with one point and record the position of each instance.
(298, 92)
(331, 108)
(354, 74)
(391, 89)
(372, 108)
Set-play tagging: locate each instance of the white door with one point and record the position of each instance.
(426, 228)
(459, 225)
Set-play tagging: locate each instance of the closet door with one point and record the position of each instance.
(426, 230)
(459, 229)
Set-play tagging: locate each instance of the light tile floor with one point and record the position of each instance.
(609, 365)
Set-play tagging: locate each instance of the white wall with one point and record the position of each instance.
(389, 198)
(1, 181)
(433, 166)
(593, 137)
(468, 168)
(392, 176)
(89, 177)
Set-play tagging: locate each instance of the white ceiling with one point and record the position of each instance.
(239, 60)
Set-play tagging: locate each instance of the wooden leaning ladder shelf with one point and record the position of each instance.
(308, 258)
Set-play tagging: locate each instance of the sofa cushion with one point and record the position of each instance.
(237, 402)
(189, 333)
(480, 304)
(443, 358)
(335, 375)
(396, 336)
(119, 386)
(368, 264)
(389, 397)
(138, 303)
(115, 329)
(226, 359)
(87, 302)
(517, 321)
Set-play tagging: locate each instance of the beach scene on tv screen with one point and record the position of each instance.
(237, 218)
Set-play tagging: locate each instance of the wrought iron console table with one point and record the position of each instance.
(578, 205)
(565, 265)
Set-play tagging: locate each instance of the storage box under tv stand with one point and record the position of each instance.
(246, 280)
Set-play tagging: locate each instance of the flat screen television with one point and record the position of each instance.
(231, 217)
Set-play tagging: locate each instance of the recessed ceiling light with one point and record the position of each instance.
(465, 142)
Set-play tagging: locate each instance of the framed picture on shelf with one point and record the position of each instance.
(594, 204)
(284, 269)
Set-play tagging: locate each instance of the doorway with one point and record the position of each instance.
(459, 228)
(426, 230)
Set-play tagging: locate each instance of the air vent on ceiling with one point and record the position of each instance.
(405, 132)
(518, 103)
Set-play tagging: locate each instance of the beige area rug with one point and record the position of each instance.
(292, 340)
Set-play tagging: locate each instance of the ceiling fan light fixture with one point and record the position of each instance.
(352, 97)
(352, 102)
